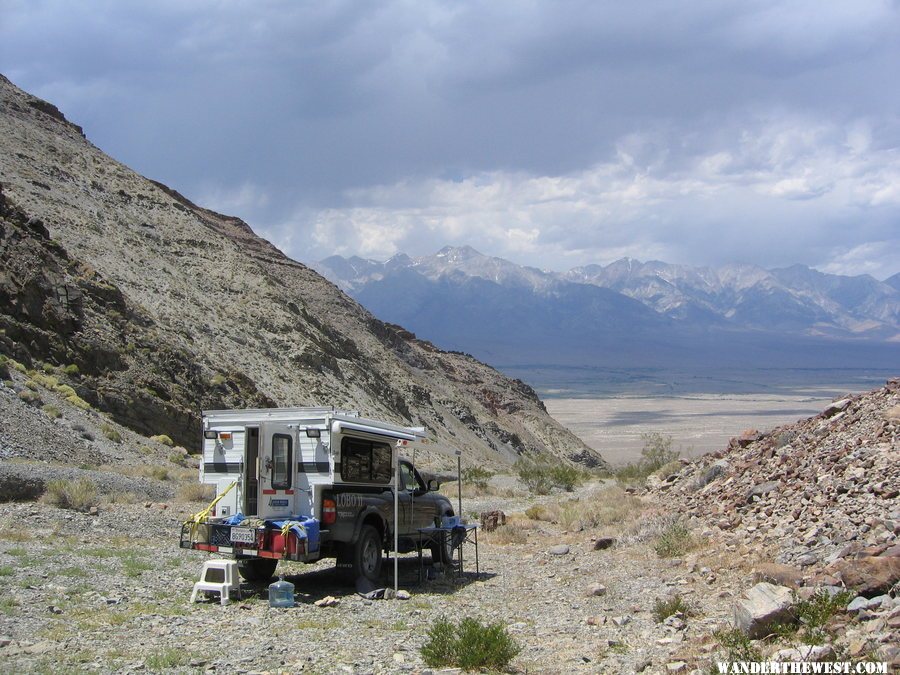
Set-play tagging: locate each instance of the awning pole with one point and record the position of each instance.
(396, 517)
(459, 484)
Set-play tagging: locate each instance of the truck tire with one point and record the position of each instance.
(367, 556)
(442, 550)
(257, 569)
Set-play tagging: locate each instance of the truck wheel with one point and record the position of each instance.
(257, 569)
(367, 554)
(442, 550)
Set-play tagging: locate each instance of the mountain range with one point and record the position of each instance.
(158, 307)
(630, 312)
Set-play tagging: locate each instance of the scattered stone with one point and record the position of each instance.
(621, 620)
(597, 590)
(403, 595)
(676, 667)
(559, 549)
(808, 653)
(327, 601)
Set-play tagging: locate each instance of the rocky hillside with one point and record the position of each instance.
(166, 308)
(821, 495)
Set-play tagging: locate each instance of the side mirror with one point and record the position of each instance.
(433, 485)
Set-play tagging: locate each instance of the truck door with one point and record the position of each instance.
(419, 512)
(277, 470)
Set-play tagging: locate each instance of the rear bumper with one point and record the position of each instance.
(268, 542)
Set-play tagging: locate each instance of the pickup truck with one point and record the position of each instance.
(311, 483)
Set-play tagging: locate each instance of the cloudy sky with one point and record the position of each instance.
(550, 133)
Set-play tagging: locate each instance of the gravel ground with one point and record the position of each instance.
(110, 593)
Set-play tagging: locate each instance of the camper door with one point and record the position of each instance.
(277, 470)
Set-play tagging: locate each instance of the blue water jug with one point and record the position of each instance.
(281, 593)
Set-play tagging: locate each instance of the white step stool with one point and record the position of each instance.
(219, 576)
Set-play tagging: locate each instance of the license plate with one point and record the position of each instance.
(243, 535)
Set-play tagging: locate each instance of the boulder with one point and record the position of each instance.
(868, 576)
(761, 607)
(603, 543)
(559, 549)
(491, 520)
(808, 653)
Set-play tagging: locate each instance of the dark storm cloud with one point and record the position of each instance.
(550, 133)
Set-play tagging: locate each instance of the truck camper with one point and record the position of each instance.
(304, 484)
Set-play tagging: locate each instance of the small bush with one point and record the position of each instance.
(71, 370)
(811, 616)
(675, 540)
(217, 380)
(663, 608)
(539, 512)
(31, 384)
(510, 533)
(166, 659)
(66, 390)
(145, 450)
(657, 453)
(15, 365)
(78, 495)
(29, 396)
(162, 438)
(111, 433)
(46, 381)
(47, 368)
(470, 645)
(541, 476)
(734, 645)
(78, 402)
(51, 411)
(476, 477)
(195, 492)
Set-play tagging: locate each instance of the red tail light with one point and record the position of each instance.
(329, 511)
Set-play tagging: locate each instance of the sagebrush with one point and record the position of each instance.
(470, 645)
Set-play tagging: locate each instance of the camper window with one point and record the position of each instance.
(281, 461)
(365, 461)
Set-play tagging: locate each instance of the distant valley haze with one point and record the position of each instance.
(582, 324)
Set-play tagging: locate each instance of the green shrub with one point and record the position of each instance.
(4, 367)
(78, 402)
(541, 475)
(217, 380)
(675, 540)
(663, 608)
(470, 645)
(145, 450)
(176, 458)
(65, 390)
(71, 370)
(17, 366)
(657, 453)
(734, 645)
(31, 384)
(111, 432)
(47, 368)
(166, 659)
(810, 617)
(52, 411)
(78, 495)
(476, 477)
(162, 438)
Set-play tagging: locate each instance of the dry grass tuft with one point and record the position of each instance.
(612, 506)
(195, 492)
(78, 495)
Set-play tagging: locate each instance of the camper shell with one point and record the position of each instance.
(309, 483)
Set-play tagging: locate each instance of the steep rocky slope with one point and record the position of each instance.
(820, 495)
(166, 308)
